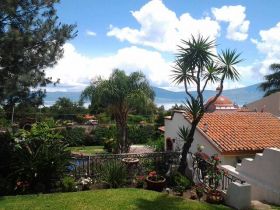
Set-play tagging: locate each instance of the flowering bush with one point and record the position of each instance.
(199, 189)
(139, 181)
(214, 173)
(21, 186)
(85, 183)
(153, 176)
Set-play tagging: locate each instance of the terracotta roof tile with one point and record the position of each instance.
(242, 131)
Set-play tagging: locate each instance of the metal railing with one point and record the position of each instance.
(159, 161)
(89, 165)
(200, 169)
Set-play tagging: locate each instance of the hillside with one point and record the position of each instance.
(240, 96)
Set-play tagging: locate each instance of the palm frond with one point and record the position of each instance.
(193, 107)
(183, 133)
(192, 56)
(212, 73)
(227, 60)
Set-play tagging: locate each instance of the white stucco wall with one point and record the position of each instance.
(172, 128)
(229, 160)
(263, 173)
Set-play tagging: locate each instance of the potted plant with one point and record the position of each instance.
(199, 189)
(214, 176)
(181, 183)
(155, 182)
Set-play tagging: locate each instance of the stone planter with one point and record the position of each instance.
(215, 197)
(130, 161)
(156, 185)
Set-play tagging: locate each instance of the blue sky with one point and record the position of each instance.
(142, 35)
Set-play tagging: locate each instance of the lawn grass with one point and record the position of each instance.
(110, 199)
(87, 150)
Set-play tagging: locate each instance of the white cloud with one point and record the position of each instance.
(235, 16)
(90, 33)
(76, 70)
(269, 45)
(162, 29)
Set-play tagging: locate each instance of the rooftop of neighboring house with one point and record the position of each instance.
(222, 103)
(269, 103)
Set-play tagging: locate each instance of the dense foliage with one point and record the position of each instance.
(74, 136)
(113, 174)
(6, 155)
(31, 40)
(120, 94)
(272, 83)
(38, 160)
(65, 109)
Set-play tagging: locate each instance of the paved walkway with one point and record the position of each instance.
(140, 149)
(257, 205)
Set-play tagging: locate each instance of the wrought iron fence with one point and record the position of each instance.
(159, 161)
(200, 171)
(90, 165)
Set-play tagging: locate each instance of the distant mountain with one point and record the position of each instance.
(240, 96)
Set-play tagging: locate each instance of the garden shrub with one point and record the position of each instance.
(177, 180)
(157, 144)
(80, 119)
(140, 134)
(89, 140)
(113, 174)
(103, 133)
(110, 144)
(68, 184)
(6, 155)
(40, 159)
(104, 118)
(135, 119)
(4, 123)
(74, 136)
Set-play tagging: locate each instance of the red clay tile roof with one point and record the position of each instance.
(242, 131)
(239, 132)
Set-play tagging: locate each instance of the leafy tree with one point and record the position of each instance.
(119, 94)
(66, 109)
(31, 40)
(272, 83)
(197, 66)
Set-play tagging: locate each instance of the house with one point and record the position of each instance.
(269, 103)
(231, 134)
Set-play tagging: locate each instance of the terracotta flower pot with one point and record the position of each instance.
(215, 197)
(156, 185)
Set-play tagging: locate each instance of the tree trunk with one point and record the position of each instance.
(125, 139)
(122, 140)
(186, 147)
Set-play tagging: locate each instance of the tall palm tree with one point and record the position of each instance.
(197, 66)
(120, 93)
(272, 83)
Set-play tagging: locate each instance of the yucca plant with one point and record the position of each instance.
(197, 66)
(113, 174)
